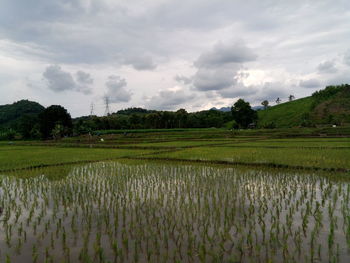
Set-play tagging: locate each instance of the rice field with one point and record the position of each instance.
(160, 212)
(20, 157)
(308, 158)
(78, 202)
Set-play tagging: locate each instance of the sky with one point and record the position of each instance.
(170, 54)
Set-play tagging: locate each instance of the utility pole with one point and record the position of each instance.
(107, 112)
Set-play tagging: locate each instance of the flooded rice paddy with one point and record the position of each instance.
(153, 212)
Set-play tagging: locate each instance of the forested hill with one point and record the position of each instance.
(11, 113)
(328, 106)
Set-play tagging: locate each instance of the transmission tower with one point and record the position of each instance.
(92, 109)
(107, 112)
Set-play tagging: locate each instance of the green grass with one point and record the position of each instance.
(321, 143)
(288, 114)
(316, 158)
(268, 149)
(327, 109)
(17, 157)
(181, 143)
(103, 132)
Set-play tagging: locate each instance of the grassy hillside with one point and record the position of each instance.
(328, 106)
(287, 114)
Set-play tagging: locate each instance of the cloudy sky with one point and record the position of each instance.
(170, 54)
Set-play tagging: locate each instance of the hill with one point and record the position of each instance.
(11, 113)
(328, 106)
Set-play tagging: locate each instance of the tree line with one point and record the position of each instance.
(55, 121)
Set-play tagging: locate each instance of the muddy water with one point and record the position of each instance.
(151, 212)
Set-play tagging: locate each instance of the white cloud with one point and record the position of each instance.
(347, 58)
(219, 68)
(310, 83)
(140, 62)
(214, 79)
(59, 80)
(225, 54)
(84, 78)
(327, 67)
(116, 91)
(169, 99)
(149, 44)
(183, 80)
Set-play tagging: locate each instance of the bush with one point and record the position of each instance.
(270, 125)
(7, 134)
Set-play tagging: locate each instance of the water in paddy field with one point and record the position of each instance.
(152, 212)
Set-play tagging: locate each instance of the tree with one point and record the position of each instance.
(181, 116)
(243, 113)
(291, 97)
(52, 116)
(278, 100)
(26, 124)
(265, 103)
(58, 131)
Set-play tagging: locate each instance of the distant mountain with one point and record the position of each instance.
(223, 109)
(130, 111)
(328, 106)
(11, 113)
(258, 107)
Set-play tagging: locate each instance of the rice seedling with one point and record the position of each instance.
(130, 211)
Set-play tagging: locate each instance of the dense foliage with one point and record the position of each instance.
(30, 120)
(328, 92)
(243, 114)
(55, 121)
(152, 120)
(19, 117)
(11, 113)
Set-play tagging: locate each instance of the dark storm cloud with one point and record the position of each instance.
(59, 80)
(310, 83)
(116, 91)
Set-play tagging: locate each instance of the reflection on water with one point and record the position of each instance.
(149, 212)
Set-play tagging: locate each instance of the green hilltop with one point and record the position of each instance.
(10, 114)
(328, 106)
